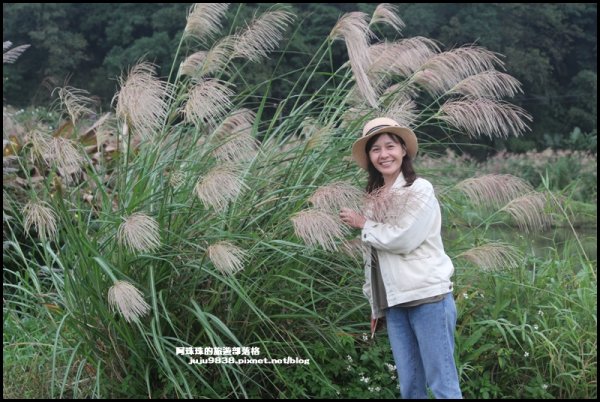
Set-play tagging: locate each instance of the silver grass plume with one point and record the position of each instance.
(204, 63)
(228, 258)
(143, 101)
(40, 215)
(400, 108)
(40, 146)
(176, 179)
(354, 29)
(316, 227)
(75, 102)
(332, 197)
(309, 127)
(444, 70)
(204, 20)
(395, 206)
(128, 301)
(10, 124)
(219, 186)
(57, 151)
(193, 64)
(529, 212)
(387, 13)
(467, 60)
(235, 148)
(494, 189)
(354, 248)
(139, 233)
(493, 256)
(403, 57)
(10, 56)
(209, 100)
(65, 155)
(488, 84)
(262, 35)
(485, 117)
(233, 138)
(240, 121)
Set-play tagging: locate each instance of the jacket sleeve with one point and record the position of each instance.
(409, 224)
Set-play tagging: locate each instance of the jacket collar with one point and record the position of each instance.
(400, 181)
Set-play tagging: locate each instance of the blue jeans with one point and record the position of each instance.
(422, 340)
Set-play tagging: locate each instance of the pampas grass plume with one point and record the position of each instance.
(318, 228)
(387, 13)
(219, 186)
(75, 102)
(204, 20)
(529, 212)
(139, 233)
(10, 56)
(332, 197)
(493, 256)
(143, 100)
(262, 35)
(128, 300)
(354, 29)
(485, 117)
(42, 217)
(228, 258)
(494, 189)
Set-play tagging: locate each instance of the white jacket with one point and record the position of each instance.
(412, 260)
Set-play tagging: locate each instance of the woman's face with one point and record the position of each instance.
(386, 155)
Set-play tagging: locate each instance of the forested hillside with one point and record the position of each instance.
(550, 48)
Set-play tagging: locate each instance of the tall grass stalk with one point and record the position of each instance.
(564, 213)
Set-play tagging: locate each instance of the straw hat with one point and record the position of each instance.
(378, 126)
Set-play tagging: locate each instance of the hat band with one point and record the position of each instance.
(376, 128)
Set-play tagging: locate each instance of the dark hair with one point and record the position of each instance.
(375, 177)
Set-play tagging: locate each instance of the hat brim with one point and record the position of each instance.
(359, 151)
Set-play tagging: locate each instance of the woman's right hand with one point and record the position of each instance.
(352, 218)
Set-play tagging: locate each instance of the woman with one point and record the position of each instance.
(407, 271)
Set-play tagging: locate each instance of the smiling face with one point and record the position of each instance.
(386, 155)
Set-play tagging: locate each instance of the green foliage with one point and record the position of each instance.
(357, 368)
(585, 104)
(545, 53)
(529, 330)
(553, 54)
(36, 363)
(26, 366)
(574, 172)
(582, 141)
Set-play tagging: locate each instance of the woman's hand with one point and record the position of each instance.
(352, 219)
